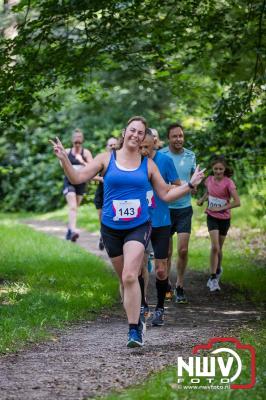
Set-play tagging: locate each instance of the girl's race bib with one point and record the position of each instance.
(215, 202)
(126, 210)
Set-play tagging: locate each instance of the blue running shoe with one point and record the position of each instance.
(180, 297)
(144, 312)
(149, 266)
(134, 338)
(158, 317)
(68, 234)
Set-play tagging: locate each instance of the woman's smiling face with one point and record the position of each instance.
(134, 134)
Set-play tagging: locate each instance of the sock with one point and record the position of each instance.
(161, 287)
(133, 326)
(179, 288)
(213, 276)
(141, 284)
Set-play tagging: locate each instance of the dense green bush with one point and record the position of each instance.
(32, 179)
(84, 64)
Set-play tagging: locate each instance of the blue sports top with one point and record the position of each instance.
(185, 164)
(125, 205)
(160, 215)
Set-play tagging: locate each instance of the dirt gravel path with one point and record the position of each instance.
(91, 359)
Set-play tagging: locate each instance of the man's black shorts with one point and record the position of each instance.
(221, 225)
(160, 238)
(181, 220)
(114, 239)
(98, 198)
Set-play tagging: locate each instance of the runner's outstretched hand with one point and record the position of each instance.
(198, 176)
(58, 148)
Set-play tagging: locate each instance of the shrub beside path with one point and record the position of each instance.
(91, 358)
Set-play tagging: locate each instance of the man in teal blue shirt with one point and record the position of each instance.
(180, 210)
(161, 223)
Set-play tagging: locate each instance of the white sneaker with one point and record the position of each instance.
(218, 276)
(213, 285)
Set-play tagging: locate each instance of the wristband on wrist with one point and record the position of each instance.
(190, 185)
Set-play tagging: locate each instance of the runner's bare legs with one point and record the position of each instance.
(128, 268)
(71, 199)
(182, 248)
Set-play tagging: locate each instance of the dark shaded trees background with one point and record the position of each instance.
(94, 64)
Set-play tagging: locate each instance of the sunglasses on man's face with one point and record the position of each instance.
(77, 142)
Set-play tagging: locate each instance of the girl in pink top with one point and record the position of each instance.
(219, 191)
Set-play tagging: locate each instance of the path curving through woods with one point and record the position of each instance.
(91, 358)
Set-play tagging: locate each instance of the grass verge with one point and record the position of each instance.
(163, 385)
(87, 217)
(45, 283)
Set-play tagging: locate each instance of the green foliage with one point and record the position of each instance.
(261, 201)
(68, 41)
(32, 178)
(44, 283)
(94, 64)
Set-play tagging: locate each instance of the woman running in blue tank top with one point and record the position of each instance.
(125, 220)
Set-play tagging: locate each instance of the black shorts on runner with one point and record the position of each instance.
(98, 198)
(78, 189)
(160, 238)
(181, 219)
(114, 239)
(221, 225)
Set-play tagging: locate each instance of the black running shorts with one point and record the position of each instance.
(78, 189)
(114, 239)
(160, 241)
(221, 225)
(98, 198)
(181, 219)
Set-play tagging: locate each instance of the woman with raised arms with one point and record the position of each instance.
(125, 224)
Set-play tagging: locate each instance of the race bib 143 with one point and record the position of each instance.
(126, 210)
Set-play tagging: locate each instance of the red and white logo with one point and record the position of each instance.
(225, 360)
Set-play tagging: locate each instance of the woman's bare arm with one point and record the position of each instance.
(177, 182)
(83, 175)
(88, 157)
(202, 199)
(170, 193)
